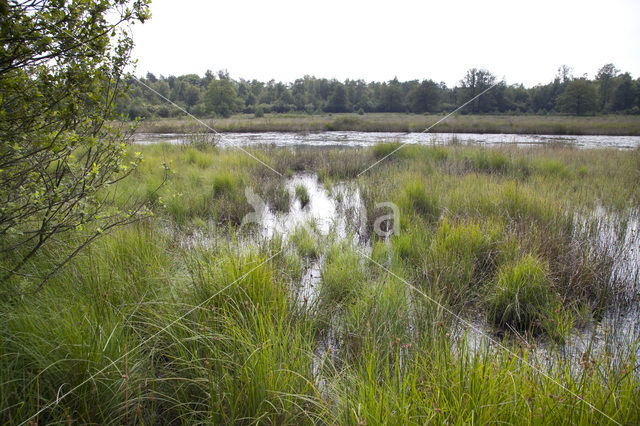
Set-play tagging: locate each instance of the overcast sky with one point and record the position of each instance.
(522, 41)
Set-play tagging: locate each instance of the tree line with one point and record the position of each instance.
(216, 94)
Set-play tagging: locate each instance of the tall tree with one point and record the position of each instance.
(391, 97)
(624, 94)
(475, 82)
(564, 74)
(191, 95)
(221, 98)
(605, 78)
(338, 100)
(60, 71)
(579, 98)
(425, 97)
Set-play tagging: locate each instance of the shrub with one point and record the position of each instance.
(522, 295)
(309, 109)
(259, 112)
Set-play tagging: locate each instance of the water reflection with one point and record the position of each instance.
(365, 139)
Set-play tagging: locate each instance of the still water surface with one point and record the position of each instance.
(364, 139)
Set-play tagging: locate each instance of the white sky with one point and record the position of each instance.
(522, 41)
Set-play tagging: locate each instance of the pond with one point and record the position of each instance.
(365, 139)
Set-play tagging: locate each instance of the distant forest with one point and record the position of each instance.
(216, 94)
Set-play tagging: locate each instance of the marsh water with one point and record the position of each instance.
(365, 139)
(340, 213)
(337, 213)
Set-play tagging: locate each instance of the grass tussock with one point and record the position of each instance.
(302, 194)
(305, 243)
(342, 277)
(522, 295)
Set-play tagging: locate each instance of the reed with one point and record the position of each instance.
(214, 332)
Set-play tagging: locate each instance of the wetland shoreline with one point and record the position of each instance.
(611, 125)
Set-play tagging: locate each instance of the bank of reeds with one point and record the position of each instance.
(614, 125)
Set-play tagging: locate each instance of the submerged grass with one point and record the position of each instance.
(154, 333)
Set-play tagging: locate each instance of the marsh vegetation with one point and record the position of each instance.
(619, 125)
(187, 316)
(195, 283)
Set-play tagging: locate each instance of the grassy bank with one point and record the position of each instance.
(615, 125)
(186, 318)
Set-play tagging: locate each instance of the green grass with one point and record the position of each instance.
(462, 257)
(417, 200)
(522, 296)
(306, 245)
(342, 276)
(396, 122)
(214, 333)
(302, 195)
